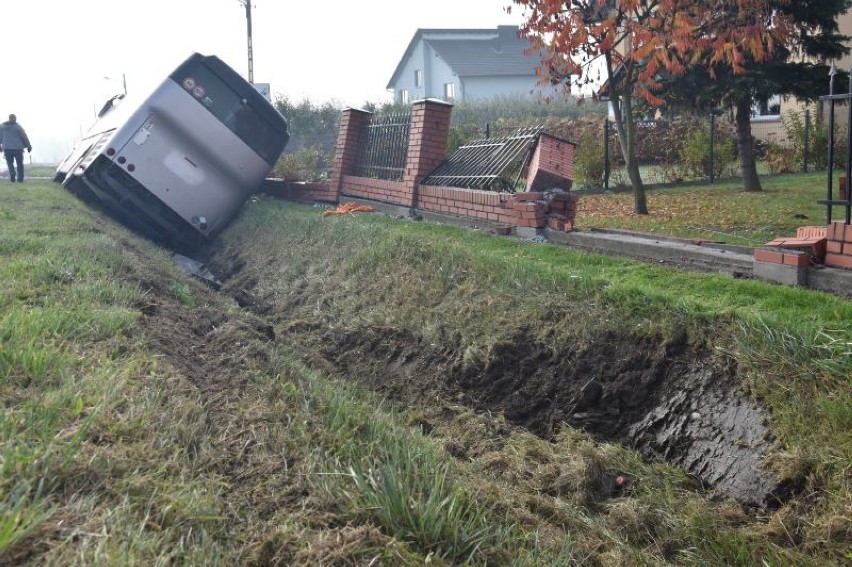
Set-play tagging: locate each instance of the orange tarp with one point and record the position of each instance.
(350, 207)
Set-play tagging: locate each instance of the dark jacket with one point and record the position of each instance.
(13, 137)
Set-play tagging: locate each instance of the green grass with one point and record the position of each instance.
(232, 450)
(720, 212)
(792, 345)
(33, 171)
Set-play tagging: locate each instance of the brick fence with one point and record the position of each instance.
(546, 201)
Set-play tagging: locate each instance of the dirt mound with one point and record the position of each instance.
(662, 399)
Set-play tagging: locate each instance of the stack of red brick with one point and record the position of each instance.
(830, 245)
(806, 249)
(554, 209)
(530, 209)
(561, 211)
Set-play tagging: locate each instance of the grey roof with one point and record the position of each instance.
(477, 58)
(499, 52)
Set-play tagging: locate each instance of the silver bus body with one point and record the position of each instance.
(179, 166)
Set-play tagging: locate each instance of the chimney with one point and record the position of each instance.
(506, 35)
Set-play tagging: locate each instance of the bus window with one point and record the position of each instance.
(234, 111)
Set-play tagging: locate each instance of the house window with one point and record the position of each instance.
(770, 106)
(449, 91)
(418, 78)
(403, 96)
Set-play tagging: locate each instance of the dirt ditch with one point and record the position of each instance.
(663, 398)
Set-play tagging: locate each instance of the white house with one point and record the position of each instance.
(465, 65)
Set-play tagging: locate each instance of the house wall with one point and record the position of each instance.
(771, 128)
(436, 73)
(419, 60)
(439, 74)
(474, 88)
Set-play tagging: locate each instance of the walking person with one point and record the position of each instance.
(13, 141)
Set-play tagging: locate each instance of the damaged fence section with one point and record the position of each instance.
(520, 181)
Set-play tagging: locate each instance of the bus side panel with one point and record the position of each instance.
(188, 159)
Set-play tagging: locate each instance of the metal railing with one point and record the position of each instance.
(383, 146)
(484, 163)
(832, 99)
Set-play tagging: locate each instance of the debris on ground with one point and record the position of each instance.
(347, 208)
(198, 269)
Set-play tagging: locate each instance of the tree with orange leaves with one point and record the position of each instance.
(638, 43)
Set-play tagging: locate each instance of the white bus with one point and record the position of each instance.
(178, 166)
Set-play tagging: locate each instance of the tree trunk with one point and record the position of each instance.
(626, 129)
(751, 182)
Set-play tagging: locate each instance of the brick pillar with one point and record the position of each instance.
(353, 125)
(427, 142)
(552, 164)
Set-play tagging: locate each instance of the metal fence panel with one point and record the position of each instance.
(483, 163)
(383, 146)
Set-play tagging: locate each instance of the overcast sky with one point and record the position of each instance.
(63, 58)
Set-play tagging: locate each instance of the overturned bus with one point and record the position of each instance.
(177, 166)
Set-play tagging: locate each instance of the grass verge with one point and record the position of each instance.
(148, 420)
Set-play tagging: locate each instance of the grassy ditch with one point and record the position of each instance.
(149, 420)
(470, 293)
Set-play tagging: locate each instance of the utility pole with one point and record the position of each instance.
(247, 4)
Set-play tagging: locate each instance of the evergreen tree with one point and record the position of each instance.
(799, 67)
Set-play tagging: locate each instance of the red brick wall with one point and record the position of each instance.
(534, 210)
(552, 166)
(486, 205)
(352, 126)
(554, 209)
(383, 190)
(427, 142)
